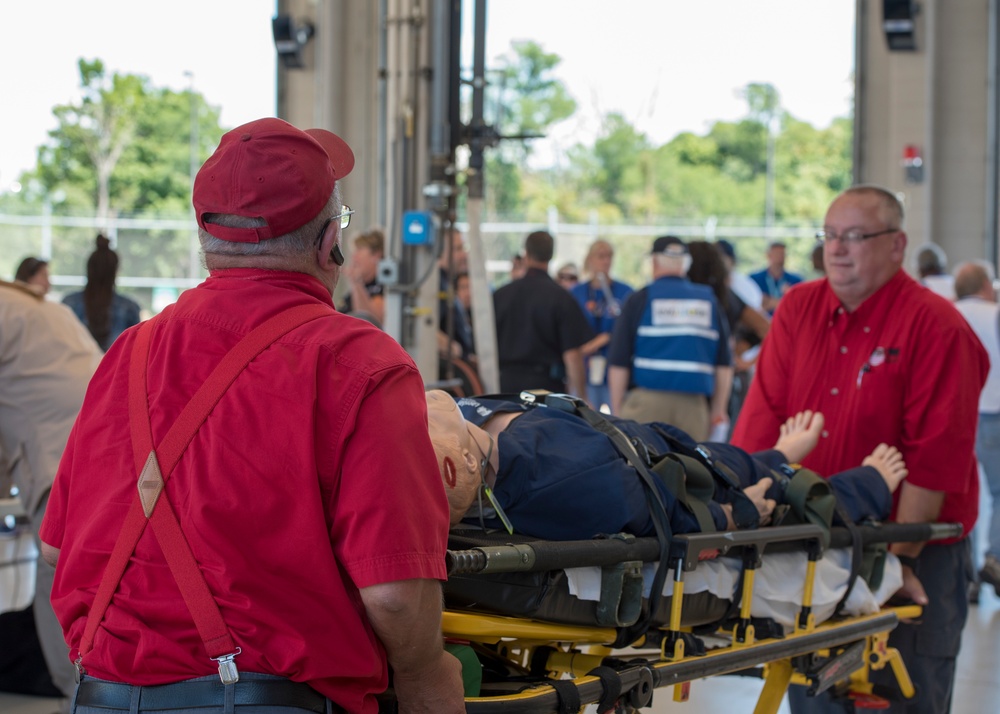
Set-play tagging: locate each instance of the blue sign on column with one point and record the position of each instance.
(418, 228)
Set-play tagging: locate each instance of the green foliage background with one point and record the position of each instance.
(126, 148)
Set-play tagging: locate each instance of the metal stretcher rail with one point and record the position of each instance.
(541, 653)
(537, 556)
(651, 675)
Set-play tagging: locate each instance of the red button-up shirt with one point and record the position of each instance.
(313, 476)
(904, 369)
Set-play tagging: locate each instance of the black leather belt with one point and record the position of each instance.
(203, 693)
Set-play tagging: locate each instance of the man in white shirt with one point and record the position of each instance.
(977, 302)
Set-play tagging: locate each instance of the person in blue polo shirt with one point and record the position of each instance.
(774, 280)
(669, 358)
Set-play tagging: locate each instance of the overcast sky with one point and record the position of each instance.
(667, 65)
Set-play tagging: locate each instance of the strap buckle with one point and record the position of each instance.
(78, 666)
(228, 672)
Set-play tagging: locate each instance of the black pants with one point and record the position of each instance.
(253, 694)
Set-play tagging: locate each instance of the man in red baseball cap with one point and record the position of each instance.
(230, 530)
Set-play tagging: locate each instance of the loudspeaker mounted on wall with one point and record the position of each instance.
(899, 24)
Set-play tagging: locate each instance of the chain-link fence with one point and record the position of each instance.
(160, 256)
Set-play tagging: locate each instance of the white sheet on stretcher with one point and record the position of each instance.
(777, 587)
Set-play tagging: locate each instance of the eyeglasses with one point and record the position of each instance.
(567, 276)
(345, 221)
(852, 235)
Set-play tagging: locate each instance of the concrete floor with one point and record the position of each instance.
(977, 692)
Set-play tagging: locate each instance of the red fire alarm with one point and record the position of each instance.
(913, 164)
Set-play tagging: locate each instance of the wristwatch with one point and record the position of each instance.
(910, 562)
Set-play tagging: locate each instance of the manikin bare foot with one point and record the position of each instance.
(889, 463)
(799, 435)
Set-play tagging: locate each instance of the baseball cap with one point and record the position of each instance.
(727, 248)
(669, 244)
(268, 169)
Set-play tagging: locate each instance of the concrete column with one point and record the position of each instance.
(934, 98)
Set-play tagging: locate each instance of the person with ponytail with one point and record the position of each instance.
(103, 311)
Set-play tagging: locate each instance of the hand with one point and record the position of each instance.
(439, 690)
(912, 589)
(756, 494)
(351, 272)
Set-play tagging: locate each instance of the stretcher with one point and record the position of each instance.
(541, 648)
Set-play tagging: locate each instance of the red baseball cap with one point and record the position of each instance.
(270, 170)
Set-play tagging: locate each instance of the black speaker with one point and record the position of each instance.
(290, 39)
(898, 22)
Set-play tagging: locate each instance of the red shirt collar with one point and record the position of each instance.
(289, 280)
(880, 300)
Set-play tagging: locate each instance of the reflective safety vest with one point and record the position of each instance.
(678, 338)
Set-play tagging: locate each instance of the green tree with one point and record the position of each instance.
(528, 100)
(125, 147)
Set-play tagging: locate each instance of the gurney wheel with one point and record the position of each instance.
(641, 695)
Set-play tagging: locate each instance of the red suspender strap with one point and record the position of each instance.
(154, 467)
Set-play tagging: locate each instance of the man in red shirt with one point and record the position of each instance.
(268, 510)
(885, 360)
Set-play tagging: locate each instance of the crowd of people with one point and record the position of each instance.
(281, 550)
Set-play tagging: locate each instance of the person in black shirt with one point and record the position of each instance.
(540, 328)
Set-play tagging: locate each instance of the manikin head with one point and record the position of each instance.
(465, 454)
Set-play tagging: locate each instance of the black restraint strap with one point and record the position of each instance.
(857, 556)
(654, 500)
(745, 513)
(611, 687)
(569, 695)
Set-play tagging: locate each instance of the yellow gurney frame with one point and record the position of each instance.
(552, 656)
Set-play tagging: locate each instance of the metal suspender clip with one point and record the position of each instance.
(227, 667)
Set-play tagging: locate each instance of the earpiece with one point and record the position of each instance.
(336, 254)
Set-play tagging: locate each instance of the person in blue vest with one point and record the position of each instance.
(774, 280)
(669, 358)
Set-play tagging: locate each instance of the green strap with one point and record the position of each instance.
(812, 500)
(691, 483)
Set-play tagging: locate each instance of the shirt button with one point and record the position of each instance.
(840, 311)
(868, 329)
(825, 433)
(843, 350)
(834, 391)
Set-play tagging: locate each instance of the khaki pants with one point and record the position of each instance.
(686, 411)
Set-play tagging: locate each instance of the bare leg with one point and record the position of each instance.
(799, 435)
(889, 463)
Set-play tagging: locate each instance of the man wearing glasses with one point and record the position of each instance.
(228, 483)
(884, 359)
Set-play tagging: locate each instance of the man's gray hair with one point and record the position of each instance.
(892, 207)
(299, 242)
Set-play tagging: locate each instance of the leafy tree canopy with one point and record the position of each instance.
(126, 146)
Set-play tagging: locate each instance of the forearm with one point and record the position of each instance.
(575, 381)
(595, 344)
(50, 554)
(756, 321)
(916, 505)
(406, 617)
(617, 386)
(719, 405)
